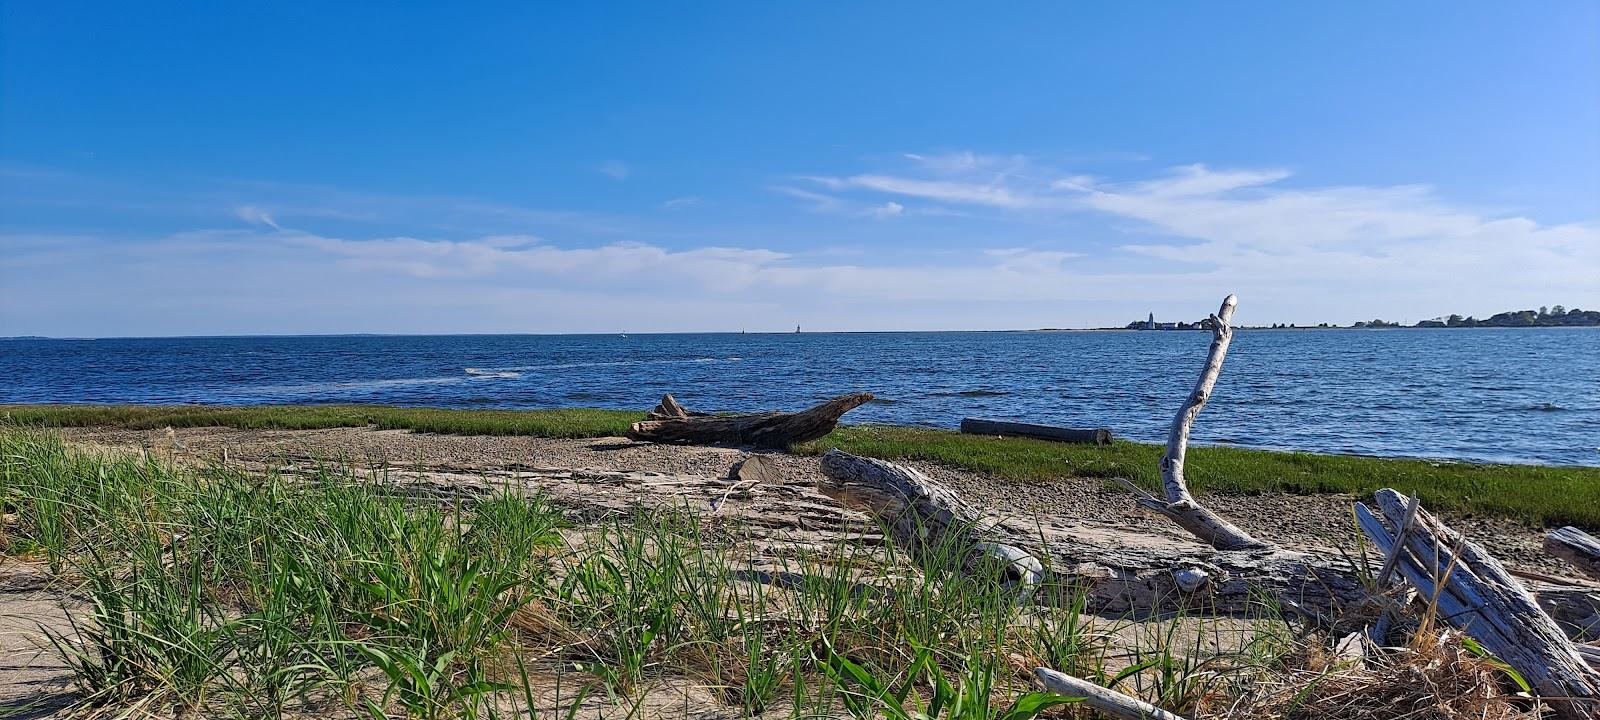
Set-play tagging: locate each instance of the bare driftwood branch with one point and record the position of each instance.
(671, 423)
(1179, 505)
(1576, 547)
(1473, 592)
(979, 426)
(1105, 700)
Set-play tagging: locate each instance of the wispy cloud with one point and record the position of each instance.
(815, 201)
(255, 216)
(681, 202)
(989, 194)
(887, 210)
(614, 169)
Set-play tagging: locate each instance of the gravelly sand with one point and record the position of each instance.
(1310, 521)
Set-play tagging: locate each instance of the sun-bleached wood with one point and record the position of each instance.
(1105, 700)
(1476, 594)
(1412, 506)
(1179, 505)
(923, 516)
(1576, 547)
(672, 423)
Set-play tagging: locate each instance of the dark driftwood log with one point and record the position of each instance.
(1475, 593)
(979, 426)
(1576, 547)
(671, 423)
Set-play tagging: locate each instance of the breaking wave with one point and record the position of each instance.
(480, 372)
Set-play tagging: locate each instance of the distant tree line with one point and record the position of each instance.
(1556, 316)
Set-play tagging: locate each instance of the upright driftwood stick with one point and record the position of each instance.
(1576, 547)
(1179, 505)
(1475, 593)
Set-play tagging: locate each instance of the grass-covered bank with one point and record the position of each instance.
(557, 423)
(1539, 494)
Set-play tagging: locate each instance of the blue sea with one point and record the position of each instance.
(1527, 395)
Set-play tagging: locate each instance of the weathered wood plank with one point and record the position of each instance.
(1576, 547)
(980, 426)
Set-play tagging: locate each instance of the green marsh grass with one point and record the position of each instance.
(1542, 495)
(557, 423)
(1545, 495)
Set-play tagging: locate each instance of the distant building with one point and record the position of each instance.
(1151, 323)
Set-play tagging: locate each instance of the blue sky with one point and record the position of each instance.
(230, 168)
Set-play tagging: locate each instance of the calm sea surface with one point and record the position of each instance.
(1504, 395)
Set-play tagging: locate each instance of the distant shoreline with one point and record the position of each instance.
(44, 338)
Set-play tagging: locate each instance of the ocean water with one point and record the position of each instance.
(1498, 395)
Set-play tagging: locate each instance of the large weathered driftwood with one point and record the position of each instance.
(979, 426)
(1474, 592)
(921, 514)
(1179, 505)
(925, 517)
(671, 423)
(1576, 547)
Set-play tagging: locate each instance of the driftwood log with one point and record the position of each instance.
(1472, 591)
(980, 426)
(1576, 547)
(922, 515)
(670, 422)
